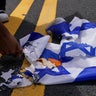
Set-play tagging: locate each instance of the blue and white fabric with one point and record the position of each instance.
(76, 51)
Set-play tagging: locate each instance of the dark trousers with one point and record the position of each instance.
(2, 4)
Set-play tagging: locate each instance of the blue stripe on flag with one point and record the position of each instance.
(49, 54)
(87, 74)
(34, 36)
(84, 26)
(89, 25)
(60, 28)
(76, 30)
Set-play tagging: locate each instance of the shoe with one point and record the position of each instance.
(3, 16)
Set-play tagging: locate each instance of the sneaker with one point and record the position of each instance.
(3, 16)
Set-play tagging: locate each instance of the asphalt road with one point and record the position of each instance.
(66, 9)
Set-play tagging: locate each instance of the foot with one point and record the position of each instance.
(3, 16)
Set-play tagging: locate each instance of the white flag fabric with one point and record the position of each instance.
(76, 52)
(73, 60)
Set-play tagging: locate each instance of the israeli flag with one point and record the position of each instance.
(75, 55)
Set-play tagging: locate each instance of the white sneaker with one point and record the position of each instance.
(3, 16)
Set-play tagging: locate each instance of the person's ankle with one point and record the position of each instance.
(3, 16)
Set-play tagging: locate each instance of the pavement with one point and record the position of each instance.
(35, 18)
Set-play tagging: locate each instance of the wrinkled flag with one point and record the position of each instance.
(76, 52)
